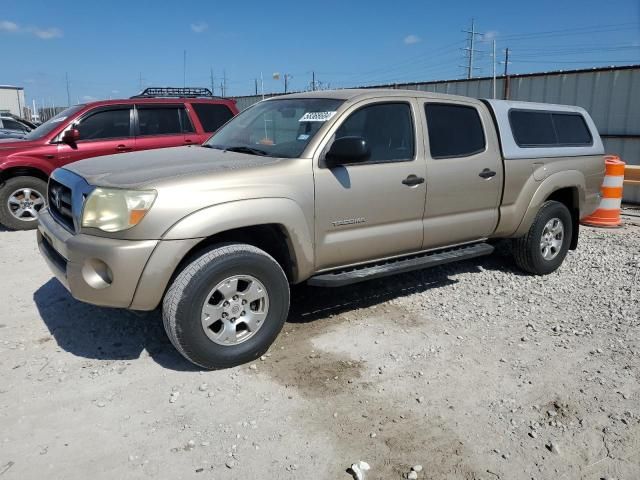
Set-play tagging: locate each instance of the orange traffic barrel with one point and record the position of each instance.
(608, 212)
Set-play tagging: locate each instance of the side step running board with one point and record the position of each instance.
(361, 273)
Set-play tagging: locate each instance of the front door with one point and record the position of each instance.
(364, 211)
(464, 173)
(103, 131)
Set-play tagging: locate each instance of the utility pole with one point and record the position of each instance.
(313, 81)
(213, 90)
(262, 85)
(184, 68)
(224, 83)
(506, 62)
(68, 94)
(256, 81)
(141, 81)
(471, 51)
(506, 74)
(493, 62)
(286, 76)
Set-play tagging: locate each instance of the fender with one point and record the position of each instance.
(556, 181)
(245, 213)
(185, 234)
(42, 165)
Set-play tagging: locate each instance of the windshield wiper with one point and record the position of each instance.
(246, 149)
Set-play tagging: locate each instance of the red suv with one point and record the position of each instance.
(157, 118)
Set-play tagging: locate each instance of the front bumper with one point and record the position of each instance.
(97, 270)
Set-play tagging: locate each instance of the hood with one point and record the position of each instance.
(152, 167)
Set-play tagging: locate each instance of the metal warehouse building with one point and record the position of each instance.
(11, 100)
(611, 95)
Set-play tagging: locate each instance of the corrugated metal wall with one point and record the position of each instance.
(611, 96)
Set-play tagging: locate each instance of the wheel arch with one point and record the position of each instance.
(567, 187)
(22, 171)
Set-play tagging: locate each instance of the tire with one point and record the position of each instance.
(528, 250)
(9, 206)
(183, 304)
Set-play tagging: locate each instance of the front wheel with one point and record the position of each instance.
(227, 306)
(543, 249)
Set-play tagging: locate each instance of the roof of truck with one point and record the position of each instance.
(352, 93)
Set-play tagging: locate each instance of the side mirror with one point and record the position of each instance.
(71, 136)
(346, 150)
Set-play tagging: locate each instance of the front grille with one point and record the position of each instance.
(59, 199)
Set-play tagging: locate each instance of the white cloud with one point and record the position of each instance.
(42, 33)
(7, 26)
(489, 36)
(199, 27)
(411, 39)
(45, 33)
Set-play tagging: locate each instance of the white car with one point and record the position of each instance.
(12, 127)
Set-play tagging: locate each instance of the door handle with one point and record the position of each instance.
(188, 141)
(487, 173)
(123, 148)
(413, 180)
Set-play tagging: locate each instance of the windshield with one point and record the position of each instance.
(275, 128)
(52, 123)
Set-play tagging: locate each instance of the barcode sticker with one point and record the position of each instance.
(316, 116)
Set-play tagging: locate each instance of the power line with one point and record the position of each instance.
(611, 62)
(571, 31)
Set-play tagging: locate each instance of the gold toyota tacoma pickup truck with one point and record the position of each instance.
(328, 188)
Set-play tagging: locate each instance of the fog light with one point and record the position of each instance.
(96, 273)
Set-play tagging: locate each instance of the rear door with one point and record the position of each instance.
(103, 131)
(161, 126)
(464, 173)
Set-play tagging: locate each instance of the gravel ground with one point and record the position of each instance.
(473, 371)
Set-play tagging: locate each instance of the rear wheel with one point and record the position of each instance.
(21, 198)
(226, 307)
(543, 249)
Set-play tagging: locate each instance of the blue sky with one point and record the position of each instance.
(107, 46)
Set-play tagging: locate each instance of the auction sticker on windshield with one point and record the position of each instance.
(316, 116)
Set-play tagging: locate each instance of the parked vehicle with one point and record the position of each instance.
(12, 134)
(11, 127)
(157, 118)
(328, 188)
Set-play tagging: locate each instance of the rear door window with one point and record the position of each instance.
(187, 126)
(104, 124)
(212, 116)
(165, 120)
(454, 130)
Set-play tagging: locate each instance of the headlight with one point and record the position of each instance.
(113, 210)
